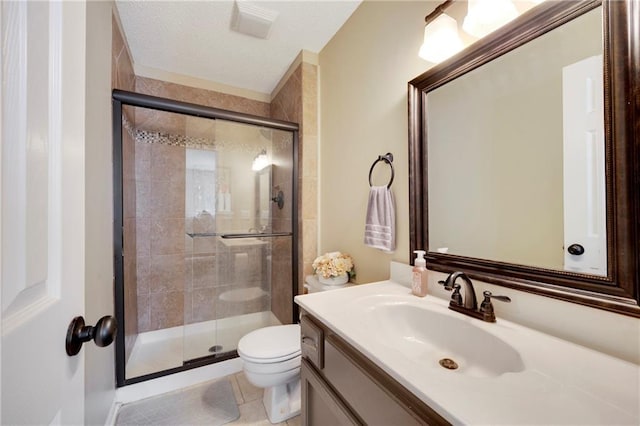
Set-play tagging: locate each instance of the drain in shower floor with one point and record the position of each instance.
(215, 349)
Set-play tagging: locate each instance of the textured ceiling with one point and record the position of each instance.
(193, 38)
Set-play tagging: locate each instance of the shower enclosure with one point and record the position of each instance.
(205, 220)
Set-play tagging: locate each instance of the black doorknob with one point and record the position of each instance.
(102, 334)
(575, 249)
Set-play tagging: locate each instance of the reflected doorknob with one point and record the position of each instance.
(575, 249)
(102, 334)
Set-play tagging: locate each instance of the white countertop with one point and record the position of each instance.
(561, 383)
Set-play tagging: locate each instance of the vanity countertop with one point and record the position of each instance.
(555, 381)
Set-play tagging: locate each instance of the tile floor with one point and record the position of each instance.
(248, 398)
(211, 403)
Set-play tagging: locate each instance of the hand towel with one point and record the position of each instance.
(380, 226)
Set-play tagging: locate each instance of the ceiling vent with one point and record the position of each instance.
(249, 19)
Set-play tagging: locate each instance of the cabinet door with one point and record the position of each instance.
(320, 406)
(378, 401)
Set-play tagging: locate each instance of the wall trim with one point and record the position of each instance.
(113, 413)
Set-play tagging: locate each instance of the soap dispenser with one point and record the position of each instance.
(419, 278)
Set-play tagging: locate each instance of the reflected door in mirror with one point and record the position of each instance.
(585, 227)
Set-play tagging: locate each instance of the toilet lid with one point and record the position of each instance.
(271, 344)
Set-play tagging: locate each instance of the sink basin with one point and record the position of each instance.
(507, 373)
(433, 339)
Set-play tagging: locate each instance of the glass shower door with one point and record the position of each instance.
(201, 181)
(203, 208)
(235, 236)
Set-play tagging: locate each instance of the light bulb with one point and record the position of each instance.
(441, 39)
(486, 16)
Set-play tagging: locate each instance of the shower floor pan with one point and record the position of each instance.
(169, 348)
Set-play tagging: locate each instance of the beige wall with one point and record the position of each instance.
(364, 72)
(363, 76)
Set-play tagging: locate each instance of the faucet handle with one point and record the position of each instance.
(487, 295)
(456, 297)
(486, 308)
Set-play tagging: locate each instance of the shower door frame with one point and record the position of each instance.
(121, 98)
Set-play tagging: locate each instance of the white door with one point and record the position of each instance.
(585, 236)
(43, 98)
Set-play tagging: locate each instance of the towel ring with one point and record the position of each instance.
(387, 158)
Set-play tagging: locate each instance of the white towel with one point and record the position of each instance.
(380, 226)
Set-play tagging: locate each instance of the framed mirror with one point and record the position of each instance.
(525, 156)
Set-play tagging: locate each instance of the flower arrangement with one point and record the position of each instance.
(334, 264)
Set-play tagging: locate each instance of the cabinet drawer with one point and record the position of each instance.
(312, 342)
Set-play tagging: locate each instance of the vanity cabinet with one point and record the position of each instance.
(340, 386)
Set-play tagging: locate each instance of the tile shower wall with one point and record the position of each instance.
(221, 270)
(178, 299)
(210, 98)
(297, 101)
(160, 186)
(281, 278)
(175, 164)
(122, 77)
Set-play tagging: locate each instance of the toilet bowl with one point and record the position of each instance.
(271, 360)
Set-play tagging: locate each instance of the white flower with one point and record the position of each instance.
(334, 264)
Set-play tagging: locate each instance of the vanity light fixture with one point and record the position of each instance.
(441, 39)
(260, 161)
(485, 16)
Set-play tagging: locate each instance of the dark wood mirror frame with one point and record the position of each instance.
(619, 291)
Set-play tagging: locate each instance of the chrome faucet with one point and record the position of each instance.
(470, 304)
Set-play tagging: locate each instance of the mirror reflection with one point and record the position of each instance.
(516, 155)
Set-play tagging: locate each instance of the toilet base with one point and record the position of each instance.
(282, 402)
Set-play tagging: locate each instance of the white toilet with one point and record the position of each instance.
(271, 359)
